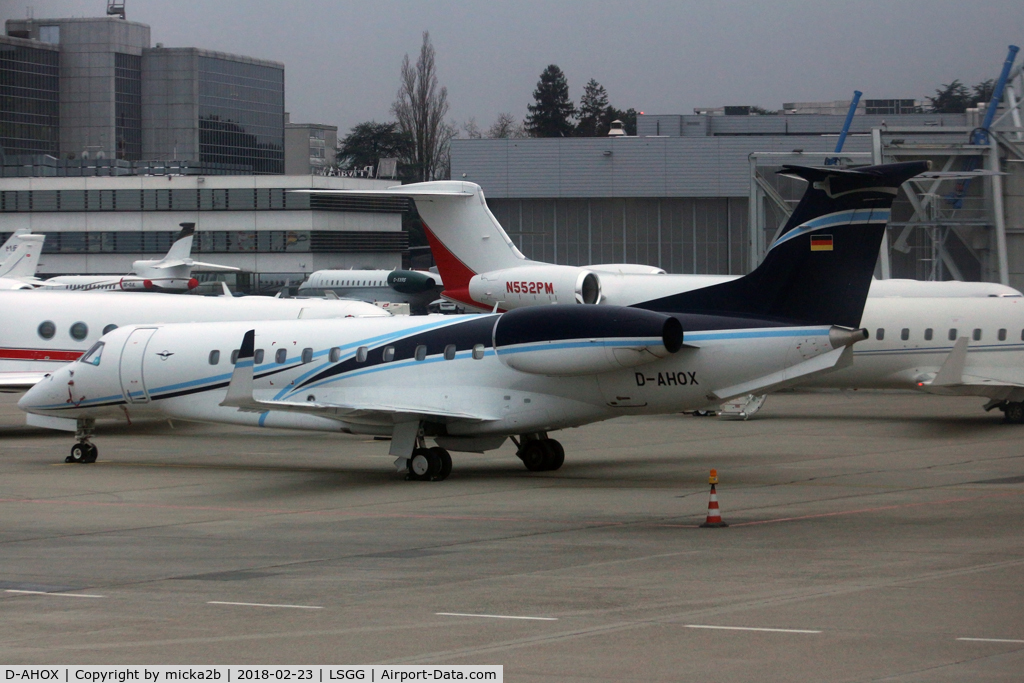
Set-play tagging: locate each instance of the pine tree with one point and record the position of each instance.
(953, 98)
(551, 116)
(592, 107)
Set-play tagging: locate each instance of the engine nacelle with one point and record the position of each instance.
(583, 340)
(411, 281)
(531, 285)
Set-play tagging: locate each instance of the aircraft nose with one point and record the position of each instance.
(46, 393)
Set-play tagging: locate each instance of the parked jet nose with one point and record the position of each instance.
(53, 392)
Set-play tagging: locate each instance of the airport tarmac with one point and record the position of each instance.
(873, 537)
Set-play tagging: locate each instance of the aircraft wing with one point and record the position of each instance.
(954, 374)
(833, 360)
(18, 382)
(239, 395)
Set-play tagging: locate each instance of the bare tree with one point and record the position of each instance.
(472, 130)
(420, 108)
(506, 126)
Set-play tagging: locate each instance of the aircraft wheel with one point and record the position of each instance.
(1015, 412)
(91, 453)
(79, 453)
(446, 463)
(555, 454)
(424, 465)
(534, 456)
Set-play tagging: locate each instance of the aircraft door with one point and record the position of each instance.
(132, 382)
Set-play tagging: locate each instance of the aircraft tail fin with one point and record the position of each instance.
(12, 243)
(24, 258)
(818, 271)
(182, 246)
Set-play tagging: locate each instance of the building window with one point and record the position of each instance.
(128, 106)
(49, 34)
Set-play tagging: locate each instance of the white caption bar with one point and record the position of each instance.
(233, 674)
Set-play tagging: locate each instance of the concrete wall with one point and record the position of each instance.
(170, 103)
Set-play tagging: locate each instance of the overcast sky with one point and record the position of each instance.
(342, 58)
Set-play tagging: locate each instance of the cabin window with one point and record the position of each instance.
(421, 352)
(361, 354)
(389, 354)
(449, 352)
(79, 331)
(234, 356)
(1002, 334)
(977, 334)
(335, 355)
(307, 355)
(905, 334)
(214, 357)
(478, 351)
(47, 329)
(257, 358)
(109, 328)
(952, 334)
(880, 333)
(92, 356)
(281, 356)
(928, 334)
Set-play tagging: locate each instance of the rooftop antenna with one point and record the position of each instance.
(115, 7)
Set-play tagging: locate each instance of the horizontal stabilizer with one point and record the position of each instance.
(833, 360)
(177, 263)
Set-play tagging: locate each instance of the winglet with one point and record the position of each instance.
(952, 370)
(239, 394)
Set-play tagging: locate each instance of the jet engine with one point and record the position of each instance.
(583, 340)
(531, 285)
(411, 281)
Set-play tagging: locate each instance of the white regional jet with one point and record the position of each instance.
(172, 273)
(472, 381)
(42, 330)
(915, 326)
(19, 268)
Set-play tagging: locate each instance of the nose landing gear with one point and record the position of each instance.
(430, 464)
(84, 451)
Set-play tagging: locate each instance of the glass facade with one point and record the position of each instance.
(29, 100)
(128, 106)
(241, 114)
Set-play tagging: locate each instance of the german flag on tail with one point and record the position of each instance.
(821, 242)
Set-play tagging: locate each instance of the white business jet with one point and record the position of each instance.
(414, 287)
(172, 273)
(470, 382)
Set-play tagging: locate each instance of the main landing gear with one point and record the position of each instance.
(84, 451)
(430, 464)
(540, 454)
(1014, 412)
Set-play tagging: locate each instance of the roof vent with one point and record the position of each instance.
(616, 129)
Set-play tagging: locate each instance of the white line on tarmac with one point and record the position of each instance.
(63, 595)
(261, 604)
(493, 616)
(750, 628)
(992, 640)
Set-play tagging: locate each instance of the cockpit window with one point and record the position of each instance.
(92, 356)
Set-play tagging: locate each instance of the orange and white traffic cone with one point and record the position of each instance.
(714, 519)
